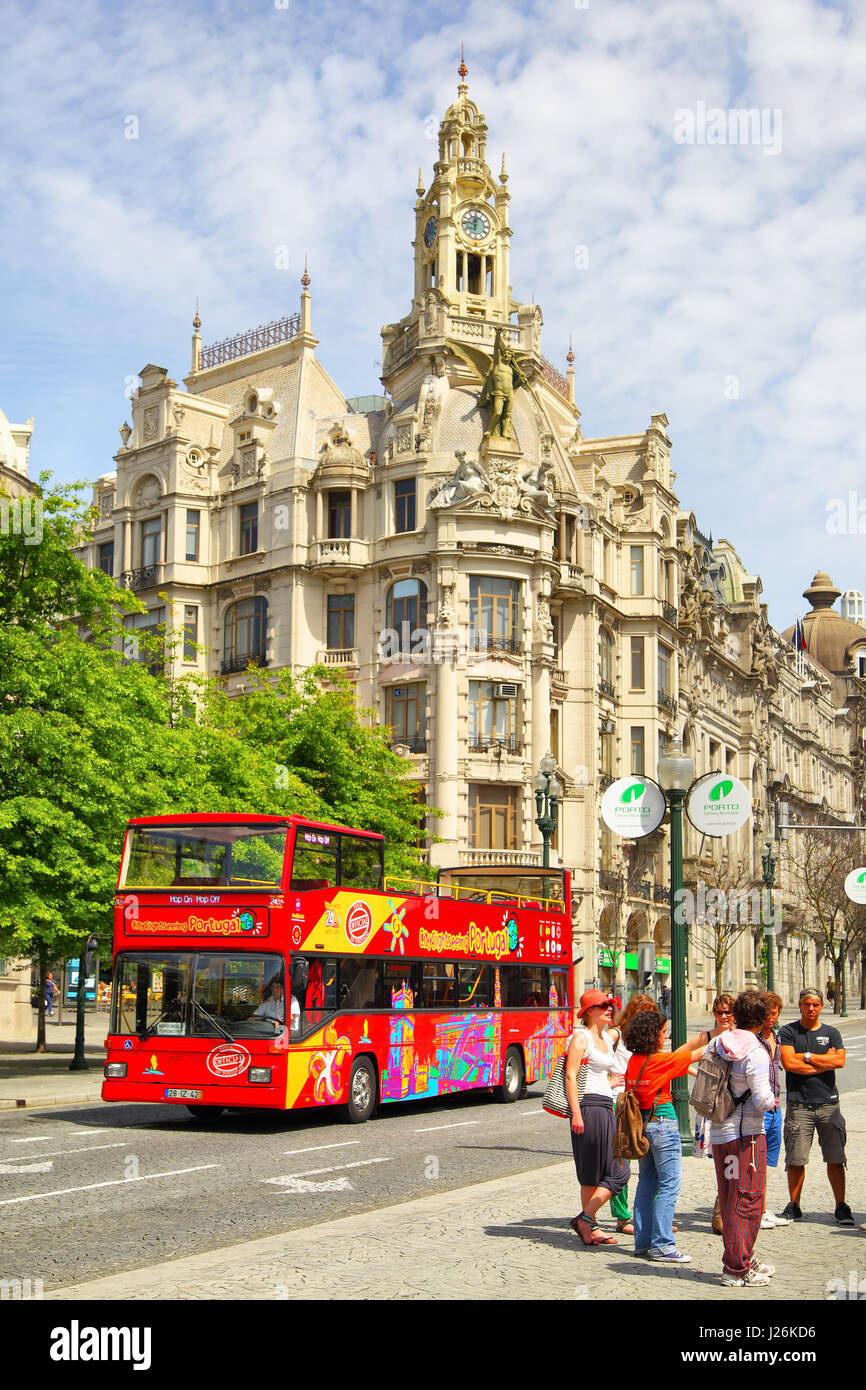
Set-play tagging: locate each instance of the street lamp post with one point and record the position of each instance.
(548, 794)
(675, 773)
(769, 866)
(79, 1062)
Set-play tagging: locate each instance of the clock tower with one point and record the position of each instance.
(461, 221)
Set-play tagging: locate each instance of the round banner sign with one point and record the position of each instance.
(718, 804)
(855, 885)
(633, 806)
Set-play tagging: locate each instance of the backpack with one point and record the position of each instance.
(711, 1094)
(629, 1140)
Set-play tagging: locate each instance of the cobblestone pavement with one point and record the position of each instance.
(510, 1238)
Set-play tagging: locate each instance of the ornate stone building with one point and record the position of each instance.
(494, 583)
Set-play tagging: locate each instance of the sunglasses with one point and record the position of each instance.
(723, 1013)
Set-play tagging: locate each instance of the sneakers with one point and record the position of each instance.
(752, 1279)
(757, 1268)
(769, 1221)
(792, 1212)
(675, 1257)
(844, 1215)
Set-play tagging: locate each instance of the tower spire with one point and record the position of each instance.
(196, 339)
(462, 71)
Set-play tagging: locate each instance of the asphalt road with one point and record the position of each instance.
(94, 1189)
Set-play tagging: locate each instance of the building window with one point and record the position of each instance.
(406, 603)
(664, 670)
(605, 561)
(106, 558)
(404, 505)
(605, 659)
(245, 635)
(606, 763)
(637, 750)
(406, 713)
(636, 569)
(341, 622)
(190, 632)
(249, 528)
(145, 639)
(192, 527)
(493, 715)
(554, 735)
(493, 612)
(493, 817)
(151, 542)
(339, 515)
(638, 680)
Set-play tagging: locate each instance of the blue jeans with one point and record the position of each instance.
(659, 1181)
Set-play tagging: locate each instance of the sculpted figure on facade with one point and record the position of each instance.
(468, 480)
(502, 374)
(535, 483)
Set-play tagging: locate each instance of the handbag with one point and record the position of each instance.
(555, 1100)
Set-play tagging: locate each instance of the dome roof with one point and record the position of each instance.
(830, 638)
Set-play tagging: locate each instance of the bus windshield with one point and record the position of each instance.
(199, 994)
(204, 856)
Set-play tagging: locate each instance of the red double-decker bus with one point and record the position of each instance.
(267, 961)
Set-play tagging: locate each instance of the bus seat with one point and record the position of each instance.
(306, 885)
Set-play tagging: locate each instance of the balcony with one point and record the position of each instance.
(150, 577)
(608, 881)
(482, 857)
(480, 743)
(667, 703)
(339, 656)
(642, 890)
(670, 615)
(605, 688)
(410, 743)
(242, 662)
(558, 677)
(661, 893)
(571, 576)
(484, 643)
(340, 556)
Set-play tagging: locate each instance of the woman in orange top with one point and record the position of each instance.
(661, 1168)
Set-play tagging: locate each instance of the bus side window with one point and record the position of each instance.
(360, 863)
(313, 868)
(358, 983)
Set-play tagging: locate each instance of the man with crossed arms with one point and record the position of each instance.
(812, 1054)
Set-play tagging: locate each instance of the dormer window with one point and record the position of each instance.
(244, 434)
(860, 658)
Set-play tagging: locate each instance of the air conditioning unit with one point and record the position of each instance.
(505, 690)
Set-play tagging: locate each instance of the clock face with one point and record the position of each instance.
(430, 232)
(475, 223)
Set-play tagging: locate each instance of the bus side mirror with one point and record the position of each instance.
(300, 974)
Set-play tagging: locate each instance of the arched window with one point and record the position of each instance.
(245, 635)
(406, 603)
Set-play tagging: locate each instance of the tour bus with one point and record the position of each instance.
(267, 961)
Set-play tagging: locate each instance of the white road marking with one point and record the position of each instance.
(460, 1125)
(116, 1182)
(347, 1143)
(37, 1139)
(531, 1112)
(26, 1167)
(294, 1185)
(288, 1180)
(62, 1153)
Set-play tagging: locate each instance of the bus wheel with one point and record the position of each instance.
(362, 1091)
(512, 1083)
(205, 1112)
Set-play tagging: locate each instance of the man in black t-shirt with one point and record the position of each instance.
(812, 1054)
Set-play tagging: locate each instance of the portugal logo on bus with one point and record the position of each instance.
(359, 924)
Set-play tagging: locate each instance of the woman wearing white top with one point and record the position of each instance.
(592, 1121)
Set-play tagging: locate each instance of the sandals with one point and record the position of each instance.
(582, 1220)
(625, 1228)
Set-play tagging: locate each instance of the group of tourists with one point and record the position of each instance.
(607, 1059)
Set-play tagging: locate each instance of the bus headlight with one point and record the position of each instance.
(115, 1069)
(262, 1075)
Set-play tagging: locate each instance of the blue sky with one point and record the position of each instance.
(720, 282)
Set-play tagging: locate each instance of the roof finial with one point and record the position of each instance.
(570, 358)
(463, 71)
(420, 189)
(305, 278)
(196, 323)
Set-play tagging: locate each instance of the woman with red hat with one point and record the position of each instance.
(592, 1119)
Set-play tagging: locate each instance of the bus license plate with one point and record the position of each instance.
(179, 1093)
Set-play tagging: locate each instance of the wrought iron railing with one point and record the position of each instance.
(242, 662)
(144, 578)
(667, 702)
(605, 688)
(254, 340)
(554, 378)
(479, 743)
(669, 614)
(413, 743)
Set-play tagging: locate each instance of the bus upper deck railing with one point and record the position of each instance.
(423, 888)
